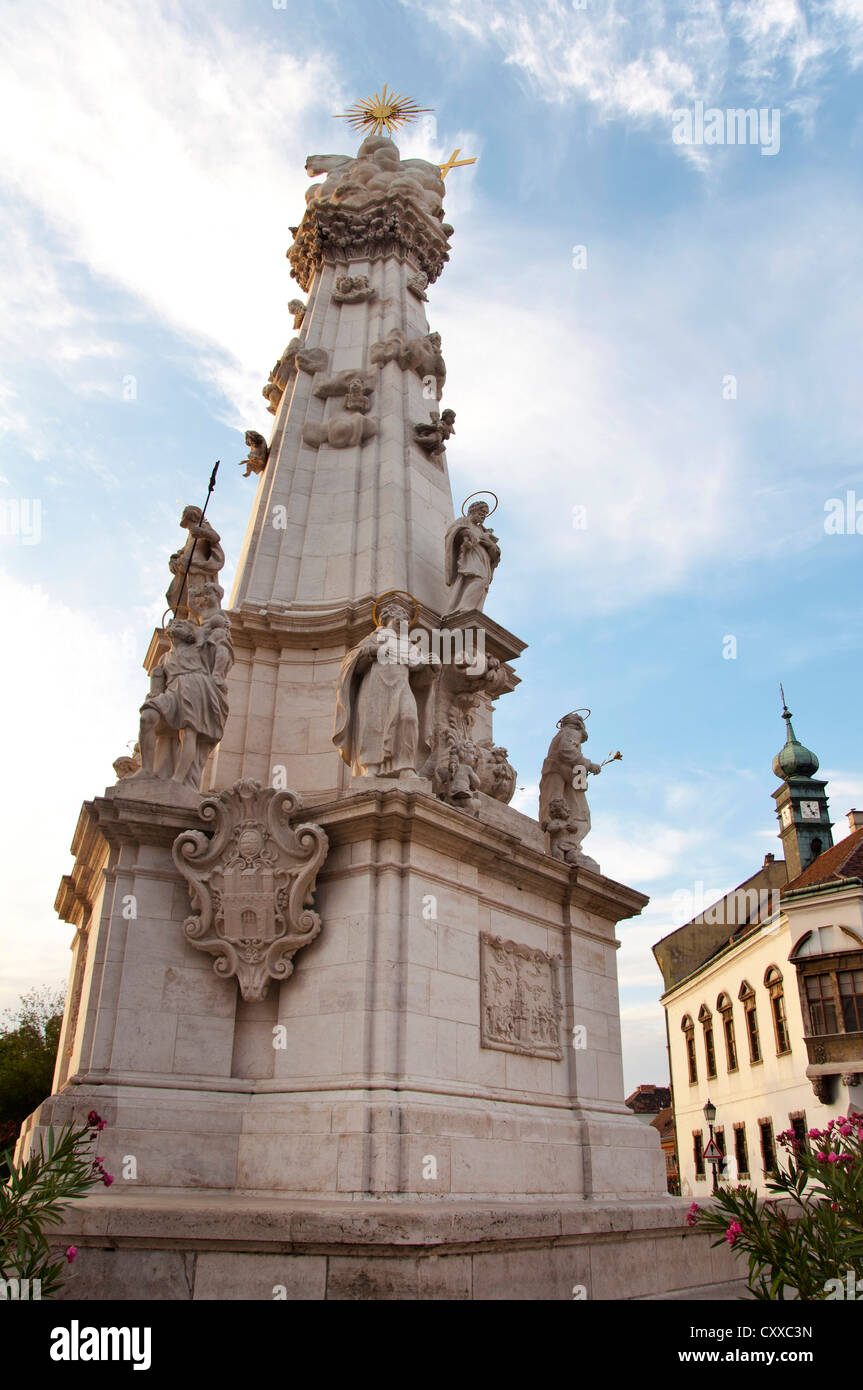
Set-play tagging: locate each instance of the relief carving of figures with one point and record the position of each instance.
(472, 554)
(295, 356)
(382, 719)
(433, 437)
(298, 309)
(456, 780)
(373, 204)
(204, 557)
(251, 884)
(497, 775)
(520, 1001)
(259, 451)
(563, 810)
(376, 173)
(344, 431)
(458, 693)
(420, 355)
(352, 384)
(388, 349)
(353, 289)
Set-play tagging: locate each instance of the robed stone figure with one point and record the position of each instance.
(562, 797)
(472, 555)
(382, 705)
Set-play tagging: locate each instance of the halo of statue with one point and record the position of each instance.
(585, 712)
(390, 593)
(488, 493)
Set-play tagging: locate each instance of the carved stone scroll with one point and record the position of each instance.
(520, 1003)
(252, 883)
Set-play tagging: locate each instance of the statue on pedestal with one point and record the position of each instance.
(563, 810)
(202, 556)
(184, 716)
(382, 701)
(472, 555)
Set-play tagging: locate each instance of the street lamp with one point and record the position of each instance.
(712, 1153)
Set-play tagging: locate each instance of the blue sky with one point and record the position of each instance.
(152, 163)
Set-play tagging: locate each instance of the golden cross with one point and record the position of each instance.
(453, 163)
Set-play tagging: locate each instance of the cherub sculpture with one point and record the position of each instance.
(258, 453)
(433, 437)
(462, 780)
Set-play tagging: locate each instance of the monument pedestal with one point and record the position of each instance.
(238, 1247)
(406, 1116)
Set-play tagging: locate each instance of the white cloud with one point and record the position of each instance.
(640, 68)
(68, 706)
(169, 159)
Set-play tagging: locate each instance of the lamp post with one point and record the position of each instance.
(712, 1153)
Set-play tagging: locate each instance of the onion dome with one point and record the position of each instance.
(795, 759)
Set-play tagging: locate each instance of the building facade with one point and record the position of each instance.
(764, 993)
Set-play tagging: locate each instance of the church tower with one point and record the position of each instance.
(801, 802)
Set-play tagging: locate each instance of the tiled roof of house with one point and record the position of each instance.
(648, 1100)
(843, 860)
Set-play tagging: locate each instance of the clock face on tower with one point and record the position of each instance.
(810, 810)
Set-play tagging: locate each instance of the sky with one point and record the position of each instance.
(652, 344)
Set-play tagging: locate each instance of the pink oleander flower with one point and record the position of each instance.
(107, 1178)
(95, 1121)
(834, 1206)
(70, 1252)
(692, 1214)
(832, 1158)
(815, 1133)
(860, 1133)
(734, 1232)
(845, 1130)
(821, 1157)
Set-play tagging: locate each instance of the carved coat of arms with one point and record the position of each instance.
(252, 883)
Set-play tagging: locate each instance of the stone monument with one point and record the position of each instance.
(352, 1019)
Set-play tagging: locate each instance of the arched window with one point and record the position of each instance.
(750, 1012)
(726, 1012)
(773, 981)
(689, 1035)
(705, 1018)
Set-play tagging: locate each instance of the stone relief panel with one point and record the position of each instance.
(520, 1002)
